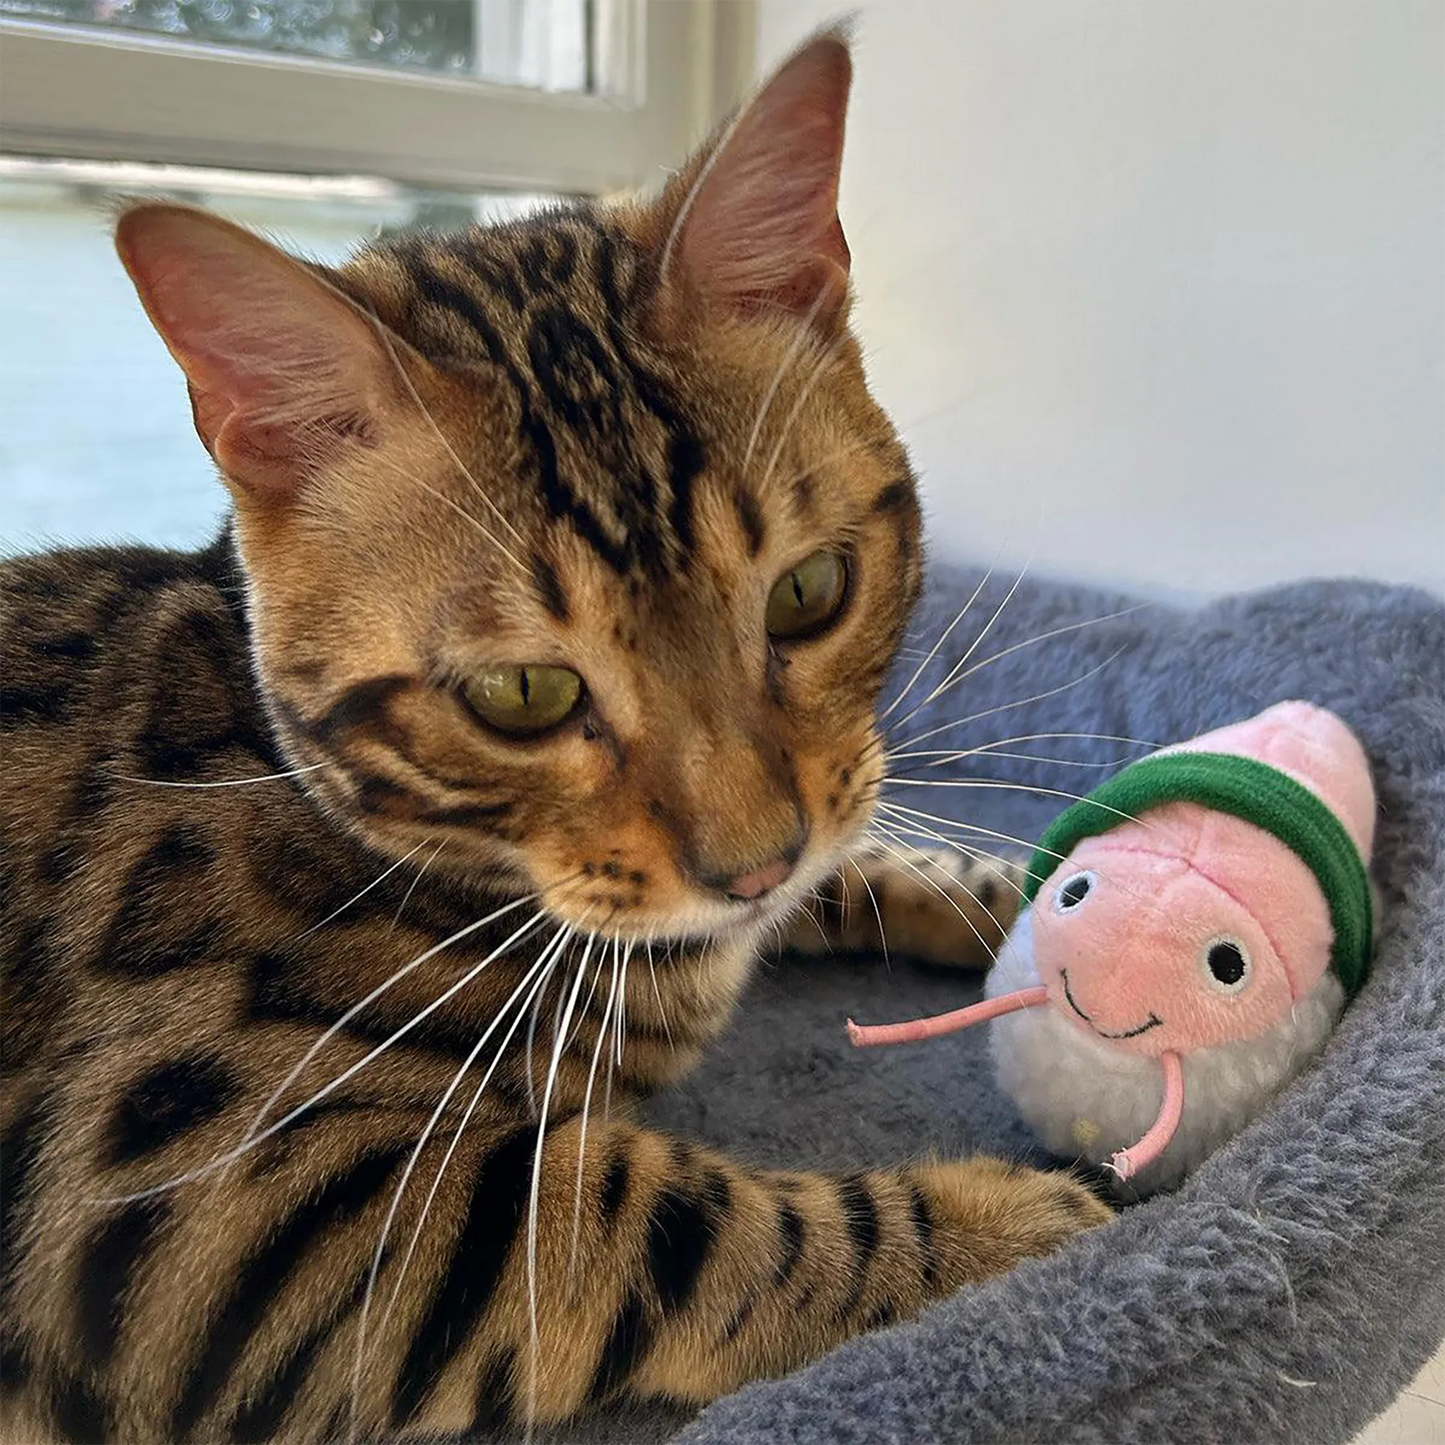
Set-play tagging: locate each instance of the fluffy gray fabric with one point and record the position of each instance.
(1297, 1281)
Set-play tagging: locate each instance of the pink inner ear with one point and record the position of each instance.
(760, 226)
(279, 367)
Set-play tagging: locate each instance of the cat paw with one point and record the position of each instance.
(989, 1215)
(936, 905)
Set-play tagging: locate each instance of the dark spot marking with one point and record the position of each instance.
(467, 815)
(260, 1418)
(109, 1261)
(739, 1318)
(166, 1101)
(19, 1150)
(479, 1252)
(14, 1367)
(685, 461)
(493, 1407)
(262, 1277)
(860, 1216)
(626, 1346)
(379, 797)
(893, 496)
(803, 495)
(614, 1187)
(22, 706)
(792, 1234)
(549, 588)
(166, 918)
(751, 519)
(79, 1410)
(681, 1229)
(362, 705)
(923, 1228)
(883, 1314)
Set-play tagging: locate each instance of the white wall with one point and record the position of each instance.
(1156, 290)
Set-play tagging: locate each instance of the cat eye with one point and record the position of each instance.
(523, 700)
(806, 598)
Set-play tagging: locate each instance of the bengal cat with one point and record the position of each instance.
(531, 687)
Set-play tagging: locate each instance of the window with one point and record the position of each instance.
(568, 95)
(320, 122)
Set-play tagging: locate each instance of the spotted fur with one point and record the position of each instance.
(254, 840)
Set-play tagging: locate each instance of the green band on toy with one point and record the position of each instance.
(1247, 789)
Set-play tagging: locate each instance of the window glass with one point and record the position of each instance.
(543, 43)
(96, 442)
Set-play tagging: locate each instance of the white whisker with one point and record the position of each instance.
(949, 755)
(999, 785)
(992, 917)
(535, 1193)
(804, 335)
(973, 647)
(406, 897)
(972, 828)
(933, 651)
(337, 912)
(804, 392)
(1017, 702)
(877, 912)
(657, 994)
(903, 858)
(400, 1190)
(952, 680)
(253, 1140)
(587, 1101)
(992, 861)
(227, 783)
(536, 976)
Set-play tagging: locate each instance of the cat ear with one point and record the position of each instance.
(756, 222)
(283, 372)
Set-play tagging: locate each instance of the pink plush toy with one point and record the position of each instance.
(1194, 928)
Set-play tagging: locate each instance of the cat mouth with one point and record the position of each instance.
(1153, 1021)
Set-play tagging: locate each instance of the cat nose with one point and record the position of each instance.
(747, 886)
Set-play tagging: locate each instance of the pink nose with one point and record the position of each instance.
(747, 886)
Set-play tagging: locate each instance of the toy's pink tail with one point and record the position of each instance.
(866, 1035)
(1128, 1162)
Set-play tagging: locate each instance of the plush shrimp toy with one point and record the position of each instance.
(1192, 930)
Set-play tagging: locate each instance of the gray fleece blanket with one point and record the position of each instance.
(1296, 1282)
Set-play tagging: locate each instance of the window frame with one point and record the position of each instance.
(87, 94)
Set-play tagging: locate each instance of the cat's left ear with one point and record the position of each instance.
(753, 217)
(284, 373)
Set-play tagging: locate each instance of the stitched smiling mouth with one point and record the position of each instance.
(1153, 1022)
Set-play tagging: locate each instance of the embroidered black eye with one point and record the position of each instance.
(1072, 892)
(806, 598)
(1228, 964)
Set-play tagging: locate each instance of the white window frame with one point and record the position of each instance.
(671, 67)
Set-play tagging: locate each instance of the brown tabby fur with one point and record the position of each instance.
(172, 951)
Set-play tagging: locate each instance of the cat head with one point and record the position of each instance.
(575, 547)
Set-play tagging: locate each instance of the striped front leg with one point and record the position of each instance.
(692, 1273)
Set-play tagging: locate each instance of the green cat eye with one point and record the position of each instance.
(806, 598)
(522, 700)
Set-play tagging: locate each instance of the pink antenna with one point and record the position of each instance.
(865, 1036)
(1128, 1162)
